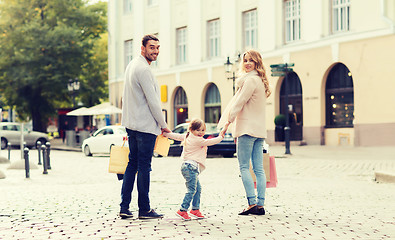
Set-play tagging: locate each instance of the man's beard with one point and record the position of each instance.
(150, 58)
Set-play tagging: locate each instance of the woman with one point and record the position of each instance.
(247, 112)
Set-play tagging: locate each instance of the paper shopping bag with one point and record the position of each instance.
(273, 174)
(266, 168)
(162, 145)
(119, 159)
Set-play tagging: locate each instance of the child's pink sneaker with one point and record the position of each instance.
(183, 215)
(197, 214)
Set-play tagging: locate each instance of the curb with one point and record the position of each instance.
(384, 177)
(66, 149)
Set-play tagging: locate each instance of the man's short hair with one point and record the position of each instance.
(148, 37)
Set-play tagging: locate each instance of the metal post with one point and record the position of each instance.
(22, 141)
(234, 78)
(9, 150)
(73, 98)
(27, 167)
(39, 152)
(287, 129)
(44, 148)
(48, 144)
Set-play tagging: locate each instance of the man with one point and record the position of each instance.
(143, 119)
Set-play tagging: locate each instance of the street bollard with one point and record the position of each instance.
(27, 167)
(39, 152)
(9, 150)
(48, 144)
(44, 148)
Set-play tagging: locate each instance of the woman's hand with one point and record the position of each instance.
(223, 131)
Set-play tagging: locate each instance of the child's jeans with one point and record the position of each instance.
(192, 183)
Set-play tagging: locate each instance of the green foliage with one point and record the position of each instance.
(279, 120)
(44, 43)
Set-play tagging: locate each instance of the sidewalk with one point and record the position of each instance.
(323, 193)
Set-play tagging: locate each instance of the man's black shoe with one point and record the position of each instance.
(150, 214)
(125, 214)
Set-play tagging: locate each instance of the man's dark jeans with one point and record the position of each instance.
(141, 146)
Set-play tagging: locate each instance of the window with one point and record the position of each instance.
(339, 91)
(101, 133)
(213, 33)
(127, 7)
(340, 15)
(250, 29)
(180, 107)
(292, 20)
(128, 49)
(152, 2)
(212, 105)
(181, 45)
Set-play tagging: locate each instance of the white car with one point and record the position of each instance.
(103, 139)
(11, 133)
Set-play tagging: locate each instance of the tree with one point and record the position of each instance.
(44, 43)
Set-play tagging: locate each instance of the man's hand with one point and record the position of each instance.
(166, 130)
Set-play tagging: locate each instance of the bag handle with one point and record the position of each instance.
(124, 140)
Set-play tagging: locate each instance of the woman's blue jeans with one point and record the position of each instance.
(141, 146)
(194, 188)
(250, 149)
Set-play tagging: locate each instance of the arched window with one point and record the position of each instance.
(212, 105)
(339, 96)
(180, 107)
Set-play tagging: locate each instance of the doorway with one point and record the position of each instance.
(294, 108)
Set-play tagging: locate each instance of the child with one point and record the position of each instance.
(194, 156)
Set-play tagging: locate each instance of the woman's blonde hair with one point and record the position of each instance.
(259, 67)
(195, 124)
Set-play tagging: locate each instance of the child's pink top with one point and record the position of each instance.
(195, 148)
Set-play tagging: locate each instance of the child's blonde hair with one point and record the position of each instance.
(195, 124)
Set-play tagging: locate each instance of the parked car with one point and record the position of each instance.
(103, 139)
(11, 133)
(226, 148)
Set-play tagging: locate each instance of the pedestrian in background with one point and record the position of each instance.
(194, 158)
(143, 119)
(247, 112)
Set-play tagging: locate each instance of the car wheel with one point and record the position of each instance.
(87, 151)
(4, 143)
(42, 141)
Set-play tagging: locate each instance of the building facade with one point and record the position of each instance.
(340, 91)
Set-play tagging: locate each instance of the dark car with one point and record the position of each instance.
(226, 148)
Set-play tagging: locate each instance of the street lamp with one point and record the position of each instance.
(228, 68)
(73, 87)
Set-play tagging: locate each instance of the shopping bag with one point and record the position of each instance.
(273, 174)
(162, 145)
(119, 159)
(266, 168)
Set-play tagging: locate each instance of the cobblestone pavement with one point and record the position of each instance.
(323, 193)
